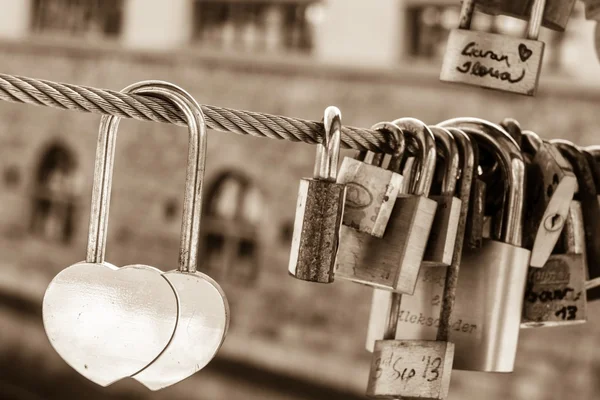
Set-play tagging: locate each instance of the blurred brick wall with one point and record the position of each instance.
(312, 331)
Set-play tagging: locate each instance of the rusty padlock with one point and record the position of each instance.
(554, 184)
(555, 295)
(491, 60)
(393, 262)
(319, 210)
(590, 208)
(371, 191)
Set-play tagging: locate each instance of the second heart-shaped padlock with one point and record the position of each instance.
(110, 323)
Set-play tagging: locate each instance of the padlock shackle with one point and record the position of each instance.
(467, 173)
(103, 171)
(466, 14)
(396, 141)
(328, 152)
(535, 20)
(573, 234)
(511, 161)
(594, 150)
(446, 143)
(533, 140)
(419, 133)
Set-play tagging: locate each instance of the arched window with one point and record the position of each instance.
(230, 248)
(55, 194)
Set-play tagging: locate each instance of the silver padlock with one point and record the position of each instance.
(489, 296)
(442, 237)
(319, 210)
(371, 191)
(382, 299)
(393, 262)
(555, 294)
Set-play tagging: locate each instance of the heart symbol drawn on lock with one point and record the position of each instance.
(524, 52)
(106, 322)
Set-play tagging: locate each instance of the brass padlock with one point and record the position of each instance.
(393, 262)
(371, 191)
(555, 295)
(420, 369)
(442, 237)
(382, 299)
(494, 61)
(319, 210)
(553, 185)
(489, 296)
(590, 208)
(411, 369)
(556, 13)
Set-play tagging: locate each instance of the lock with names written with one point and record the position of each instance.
(556, 12)
(410, 369)
(587, 196)
(555, 294)
(319, 210)
(393, 262)
(552, 185)
(371, 191)
(109, 323)
(416, 368)
(489, 295)
(382, 299)
(491, 60)
(442, 237)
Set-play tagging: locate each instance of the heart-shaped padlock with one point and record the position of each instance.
(109, 323)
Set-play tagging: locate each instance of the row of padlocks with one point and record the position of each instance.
(467, 231)
(526, 210)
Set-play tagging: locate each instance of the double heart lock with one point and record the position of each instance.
(136, 321)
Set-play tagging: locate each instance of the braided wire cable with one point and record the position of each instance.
(19, 89)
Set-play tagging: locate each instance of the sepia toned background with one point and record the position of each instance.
(376, 60)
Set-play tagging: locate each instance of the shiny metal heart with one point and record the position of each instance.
(201, 329)
(109, 323)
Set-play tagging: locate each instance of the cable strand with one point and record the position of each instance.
(18, 89)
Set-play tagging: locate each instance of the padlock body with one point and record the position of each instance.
(392, 262)
(493, 61)
(555, 295)
(487, 311)
(557, 191)
(442, 237)
(419, 369)
(315, 240)
(556, 12)
(371, 195)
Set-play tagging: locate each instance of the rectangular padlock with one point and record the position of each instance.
(552, 186)
(319, 211)
(371, 194)
(491, 60)
(555, 294)
(393, 262)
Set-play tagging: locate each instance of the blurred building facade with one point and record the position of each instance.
(375, 60)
